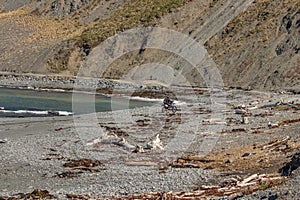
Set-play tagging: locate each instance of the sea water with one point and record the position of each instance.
(33, 103)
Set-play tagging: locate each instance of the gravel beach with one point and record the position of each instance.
(113, 154)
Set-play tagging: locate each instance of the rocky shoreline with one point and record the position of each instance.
(59, 82)
(82, 84)
(105, 86)
(107, 155)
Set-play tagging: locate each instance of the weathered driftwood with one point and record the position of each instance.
(83, 164)
(273, 125)
(289, 121)
(83, 168)
(94, 142)
(235, 130)
(77, 196)
(138, 149)
(3, 141)
(247, 184)
(68, 174)
(195, 158)
(184, 165)
(212, 120)
(289, 103)
(141, 163)
(276, 143)
(252, 107)
(36, 194)
(209, 187)
(269, 105)
(238, 188)
(250, 178)
(122, 142)
(254, 103)
(155, 143)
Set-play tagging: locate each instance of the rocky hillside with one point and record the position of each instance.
(260, 47)
(255, 44)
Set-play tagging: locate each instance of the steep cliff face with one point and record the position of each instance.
(255, 44)
(260, 47)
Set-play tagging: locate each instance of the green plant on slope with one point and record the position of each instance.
(136, 12)
(133, 14)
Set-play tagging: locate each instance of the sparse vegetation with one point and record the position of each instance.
(213, 3)
(68, 32)
(135, 13)
(248, 44)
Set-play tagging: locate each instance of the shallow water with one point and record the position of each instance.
(31, 103)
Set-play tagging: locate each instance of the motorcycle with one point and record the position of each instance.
(166, 107)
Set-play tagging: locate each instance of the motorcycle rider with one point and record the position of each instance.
(167, 101)
(168, 104)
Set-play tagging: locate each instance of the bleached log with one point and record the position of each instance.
(209, 187)
(252, 107)
(247, 184)
(273, 125)
(94, 142)
(219, 123)
(141, 163)
(138, 149)
(262, 175)
(191, 194)
(223, 189)
(190, 165)
(212, 120)
(276, 143)
(269, 105)
(155, 143)
(124, 143)
(254, 103)
(250, 178)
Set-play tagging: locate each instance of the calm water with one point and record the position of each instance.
(31, 103)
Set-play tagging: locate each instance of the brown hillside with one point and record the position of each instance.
(260, 47)
(255, 44)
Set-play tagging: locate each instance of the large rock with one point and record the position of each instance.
(287, 169)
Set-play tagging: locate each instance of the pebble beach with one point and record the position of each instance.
(112, 154)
